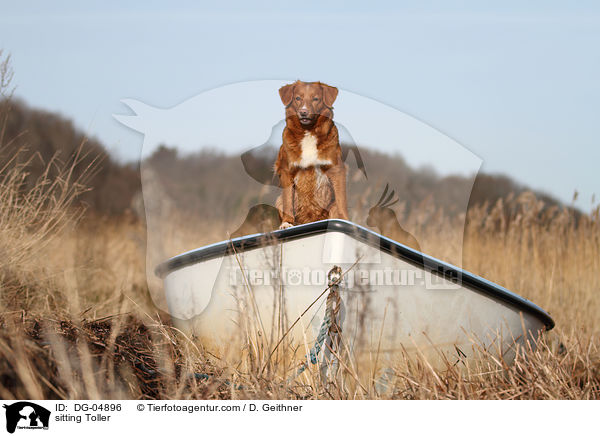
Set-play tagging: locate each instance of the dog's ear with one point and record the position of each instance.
(329, 94)
(286, 93)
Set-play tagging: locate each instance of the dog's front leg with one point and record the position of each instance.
(285, 202)
(287, 207)
(337, 177)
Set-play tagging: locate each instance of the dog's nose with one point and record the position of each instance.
(303, 113)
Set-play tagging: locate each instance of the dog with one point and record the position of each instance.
(309, 163)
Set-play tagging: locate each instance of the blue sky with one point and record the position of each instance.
(516, 83)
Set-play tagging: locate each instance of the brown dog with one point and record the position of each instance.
(309, 165)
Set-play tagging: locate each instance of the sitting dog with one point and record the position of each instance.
(309, 164)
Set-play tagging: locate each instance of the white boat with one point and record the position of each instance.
(393, 299)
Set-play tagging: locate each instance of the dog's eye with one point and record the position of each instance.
(315, 99)
(297, 98)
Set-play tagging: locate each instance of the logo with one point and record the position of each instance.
(26, 415)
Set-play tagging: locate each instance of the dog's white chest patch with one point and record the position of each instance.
(309, 156)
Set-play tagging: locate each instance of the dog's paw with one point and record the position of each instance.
(285, 225)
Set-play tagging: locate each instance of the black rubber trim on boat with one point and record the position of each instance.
(367, 236)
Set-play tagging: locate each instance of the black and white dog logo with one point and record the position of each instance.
(26, 415)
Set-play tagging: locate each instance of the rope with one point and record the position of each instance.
(329, 325)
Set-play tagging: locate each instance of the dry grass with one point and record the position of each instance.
(77, 320)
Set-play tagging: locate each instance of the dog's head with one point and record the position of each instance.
(307, 101)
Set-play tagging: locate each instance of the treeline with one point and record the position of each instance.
(36, 137)
(216, 184)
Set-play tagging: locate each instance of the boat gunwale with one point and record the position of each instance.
(362, 234)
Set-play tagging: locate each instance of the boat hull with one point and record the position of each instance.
(394, 300)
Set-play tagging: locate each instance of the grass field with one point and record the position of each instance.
(78, 322)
